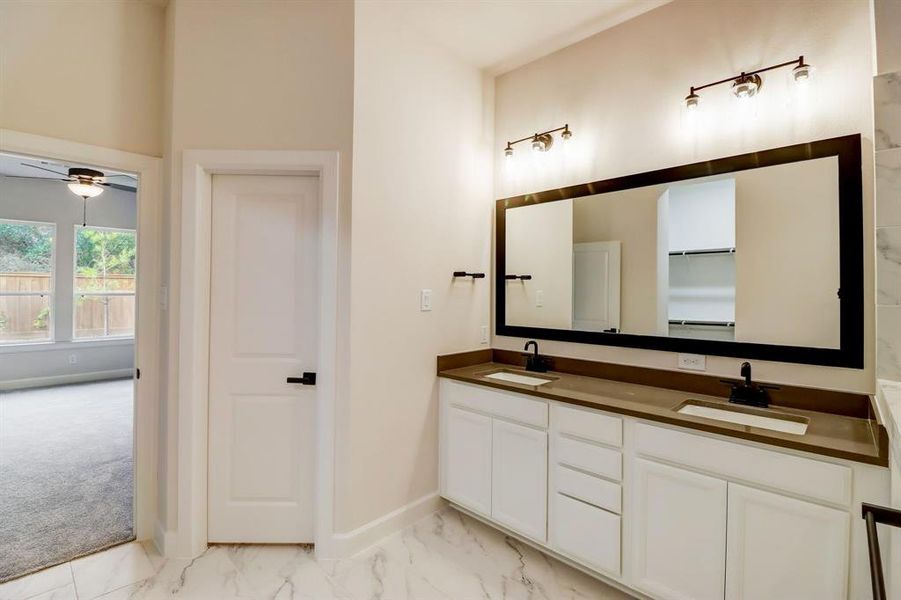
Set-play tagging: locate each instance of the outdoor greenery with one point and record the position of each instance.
(100, 253)
(25, 248)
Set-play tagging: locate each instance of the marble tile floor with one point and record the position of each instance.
(446, 556)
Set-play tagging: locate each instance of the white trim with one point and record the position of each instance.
(352, 542)
(164, 540)
(198, 167)
(147, 355)
(33, 382)
(68, 345)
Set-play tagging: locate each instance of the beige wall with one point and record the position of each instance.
(887, 19)
(540, 244)
(83, 70)
(621, 91)
(254, 75)
(787, 257)
(422, 209)
(629, 216)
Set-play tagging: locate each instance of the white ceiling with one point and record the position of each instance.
(17, 165)
(500, 35)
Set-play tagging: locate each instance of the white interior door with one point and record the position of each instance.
(263, 329)
(596, 285)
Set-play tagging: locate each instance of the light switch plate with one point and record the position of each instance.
(425, 300)
(693, 362)
(483, 337)
(539, 298)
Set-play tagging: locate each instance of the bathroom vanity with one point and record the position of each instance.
(614, 477)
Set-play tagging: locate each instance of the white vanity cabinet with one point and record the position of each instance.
(666, 511)
(679, 534)
(494, 456)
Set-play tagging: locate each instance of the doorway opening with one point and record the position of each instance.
(68, 314)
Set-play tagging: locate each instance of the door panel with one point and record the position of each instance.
(263, 329)
(679, 545)
(519, 481)
(780, 547)
(596, 285)
(467, 459)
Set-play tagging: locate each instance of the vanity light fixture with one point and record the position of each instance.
(746, 85)
(541, 142)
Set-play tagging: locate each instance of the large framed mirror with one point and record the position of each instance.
(755, 256)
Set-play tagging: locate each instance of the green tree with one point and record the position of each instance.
(25, 247)
(101, 253)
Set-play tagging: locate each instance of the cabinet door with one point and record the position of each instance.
(780, 547)
(519, 483)
(467, 459)
(679, 545)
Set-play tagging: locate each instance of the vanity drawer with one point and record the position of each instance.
(816, 479)
(508, 405)
(588, 457)
(587, 424)
(587, 534)
(599, 492)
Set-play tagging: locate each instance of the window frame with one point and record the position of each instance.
(50, 294)
(105, 294)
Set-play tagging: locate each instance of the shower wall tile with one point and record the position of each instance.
(887, 99)
(888, 342)
(888, 187)
(888, 266)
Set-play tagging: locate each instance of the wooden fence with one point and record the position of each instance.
(27, 318)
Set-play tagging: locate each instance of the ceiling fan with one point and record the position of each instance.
(83, 182)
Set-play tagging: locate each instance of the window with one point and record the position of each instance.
(104, 283)
(26, 281)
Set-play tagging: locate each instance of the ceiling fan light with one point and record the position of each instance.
(85, 190)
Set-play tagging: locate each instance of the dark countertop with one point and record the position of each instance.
(852, 438)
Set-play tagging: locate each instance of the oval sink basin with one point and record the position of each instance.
(517, 378)
(740, 415)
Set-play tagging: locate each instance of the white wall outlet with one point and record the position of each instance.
(73, 359)
(539, 298)
(425, 300)
(693, 362)
(483, 335)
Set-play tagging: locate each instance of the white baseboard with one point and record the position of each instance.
(164, 540)
(33, 382)
(352, 542)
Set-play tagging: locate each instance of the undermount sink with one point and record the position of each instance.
(741, 415)
(518, 378)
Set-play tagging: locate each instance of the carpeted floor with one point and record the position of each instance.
(66, 473)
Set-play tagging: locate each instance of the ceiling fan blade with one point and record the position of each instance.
(36, 177)
(117, 186)
(43, 169)
(132, 177)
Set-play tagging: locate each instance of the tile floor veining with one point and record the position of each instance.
(444, 556)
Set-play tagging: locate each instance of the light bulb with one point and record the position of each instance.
(692, 102)
(802, 74)
(85, 190)
(537, 144)
(746, 86)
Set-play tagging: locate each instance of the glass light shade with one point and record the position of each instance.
(692, 102)
(744, 87)
(566, 134)
(508, 152)
(537, 145)
(85, 190)
(802, 73)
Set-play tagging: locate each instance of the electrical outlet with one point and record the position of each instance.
(539, 298)
(164, 297)
(693, 362)
(73, 359)
(425, 300)
(484, 334)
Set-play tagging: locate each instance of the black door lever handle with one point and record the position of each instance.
(307, 379)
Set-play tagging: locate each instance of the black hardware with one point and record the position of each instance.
(611, 330)
(544, 136)
(523, 277)
(846, 149)
(747, 392)
(873, 514)
(534, 362)
(702, 252)
(465, 274)
(307, 379)
(749, 74)
(137, 373)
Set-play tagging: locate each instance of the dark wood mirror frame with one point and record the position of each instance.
(850, 352)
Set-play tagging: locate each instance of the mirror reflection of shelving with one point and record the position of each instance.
(696, 252)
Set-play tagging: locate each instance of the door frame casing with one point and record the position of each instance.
(198, 168)
(147, 328)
